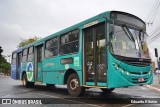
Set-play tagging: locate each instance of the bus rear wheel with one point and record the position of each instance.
(73, 85)
(107, 90)
(25, 82)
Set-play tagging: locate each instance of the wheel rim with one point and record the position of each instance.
(74, 84)
(24, 81)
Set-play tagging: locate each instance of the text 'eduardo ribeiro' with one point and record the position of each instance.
(145, 101)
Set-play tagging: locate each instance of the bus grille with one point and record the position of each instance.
(135, 80)
(134, 61)
(138, 73)
(137, 63)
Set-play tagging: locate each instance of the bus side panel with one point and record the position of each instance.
(50, 70)
(51, 77)
(75, 65)
(13, 71)
(28, 66)
(23, 68)
(19, 72)
(33, 79)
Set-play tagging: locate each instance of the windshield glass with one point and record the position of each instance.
(128, 42)
(145, 50)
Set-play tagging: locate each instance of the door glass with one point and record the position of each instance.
(101, 53)
(39, 54)
(89, 53)
(39, 63)
(95, 54)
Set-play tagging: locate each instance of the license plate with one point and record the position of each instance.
(141, 79)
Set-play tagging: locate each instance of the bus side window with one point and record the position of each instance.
(51, 47)
(25, 52)
(69, 43)
(14, 56)
(30, 53)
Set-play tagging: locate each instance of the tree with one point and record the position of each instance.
(1, 50)
(28, 41)
(4, 65)
(2, 59)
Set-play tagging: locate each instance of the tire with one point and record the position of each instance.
(73, 86)
(25, 82)
(107, 90)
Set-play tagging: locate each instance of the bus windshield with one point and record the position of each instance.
(129, 42)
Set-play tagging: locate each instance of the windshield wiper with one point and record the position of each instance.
(131, 35)
(128, 33)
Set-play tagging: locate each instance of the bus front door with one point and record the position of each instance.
(94, 56)
(39, 63)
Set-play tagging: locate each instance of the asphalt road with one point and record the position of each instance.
(10, 88)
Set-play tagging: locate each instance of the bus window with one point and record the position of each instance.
(25, 52)
(69, 42)
(14, 56)
(51, 47)
(30, 54)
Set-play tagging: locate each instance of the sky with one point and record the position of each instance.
(21, 19)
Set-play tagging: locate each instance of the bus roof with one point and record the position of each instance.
(101, 15)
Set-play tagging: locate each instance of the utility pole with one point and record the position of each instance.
(149, 23)
(9, 56)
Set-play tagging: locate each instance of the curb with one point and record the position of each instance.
(151, 87)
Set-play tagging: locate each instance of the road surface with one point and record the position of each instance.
(10, 88)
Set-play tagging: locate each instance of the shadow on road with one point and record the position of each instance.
(90, 97)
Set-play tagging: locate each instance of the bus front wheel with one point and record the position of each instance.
(25, 82)
(107, 90)
(73, 85)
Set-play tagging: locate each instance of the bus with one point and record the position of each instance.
(106, 51)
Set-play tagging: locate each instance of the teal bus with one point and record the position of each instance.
(106, 51)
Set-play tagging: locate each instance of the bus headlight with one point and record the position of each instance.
(116, 66)
(127, 73)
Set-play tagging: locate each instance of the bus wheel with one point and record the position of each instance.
(24, 80)
(107, 90)
(25, 83)
(73, 85)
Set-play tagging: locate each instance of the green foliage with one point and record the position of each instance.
(1, 50)
(4, 65)
(28, 41)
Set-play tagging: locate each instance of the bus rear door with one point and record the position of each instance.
(38, 63)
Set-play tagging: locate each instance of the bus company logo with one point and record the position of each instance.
(29, 70)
